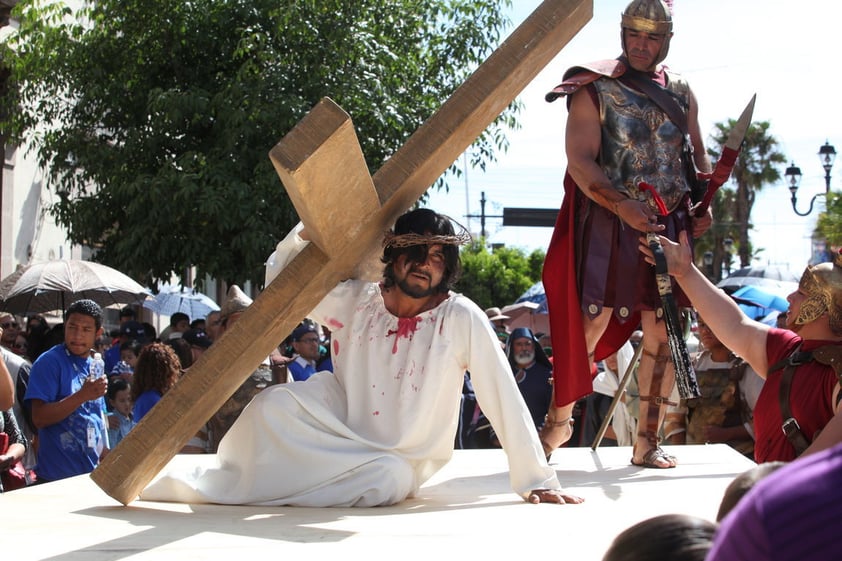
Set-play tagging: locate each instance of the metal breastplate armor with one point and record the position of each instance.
(639, 142)
(719, 405)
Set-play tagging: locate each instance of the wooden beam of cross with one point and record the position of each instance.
(346, 213)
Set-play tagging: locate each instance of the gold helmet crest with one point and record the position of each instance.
(822, 284)
(649, 16)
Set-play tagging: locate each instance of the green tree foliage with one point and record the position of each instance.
(498, 277)
(155, 119)
(755, 167)
(829, 223)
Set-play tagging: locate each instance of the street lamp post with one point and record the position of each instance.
(827, 155)
(728, 244)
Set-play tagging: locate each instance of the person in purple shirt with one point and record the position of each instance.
(792, 514)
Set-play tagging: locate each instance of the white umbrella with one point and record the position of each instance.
(172, 299)
(53, 285)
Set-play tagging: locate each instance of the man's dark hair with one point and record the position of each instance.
(423, 221)
(86, 308)
(668, 537)
(177, 317)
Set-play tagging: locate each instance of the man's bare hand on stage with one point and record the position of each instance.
(557, 496)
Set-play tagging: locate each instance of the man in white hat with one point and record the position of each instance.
(498, 319)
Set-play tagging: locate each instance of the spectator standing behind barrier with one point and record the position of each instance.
(68, 407)
(179, 323)
(7, 387)
(129, 330)
(623, 427)
(13, 446)
(305, 342)
(725, 411)
(158, 369)
(532, 371)
(120, 420)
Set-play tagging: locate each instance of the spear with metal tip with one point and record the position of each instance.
(730, 151)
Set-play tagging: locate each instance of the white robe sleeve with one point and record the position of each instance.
(502, 403)
(285, 252)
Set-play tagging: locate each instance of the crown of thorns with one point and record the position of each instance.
(390, 239)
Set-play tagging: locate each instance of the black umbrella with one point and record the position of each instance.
(771, 277)
(53, 285)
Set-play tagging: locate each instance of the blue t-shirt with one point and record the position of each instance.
(144, 403)
(63, 449)
(111, 357)
(300, 369)
(116, 435)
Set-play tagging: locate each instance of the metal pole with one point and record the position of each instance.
(617, 397)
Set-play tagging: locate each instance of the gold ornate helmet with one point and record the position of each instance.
(822, 284)
(649, 16)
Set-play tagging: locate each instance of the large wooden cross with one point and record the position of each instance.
(346, 212)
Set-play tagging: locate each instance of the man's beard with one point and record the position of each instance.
(416, 291)
(525, 358)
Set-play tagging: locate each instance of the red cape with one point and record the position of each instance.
(572, 369)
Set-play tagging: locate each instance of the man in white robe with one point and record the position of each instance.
(373, 431)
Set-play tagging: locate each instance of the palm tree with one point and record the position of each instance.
(755, 167)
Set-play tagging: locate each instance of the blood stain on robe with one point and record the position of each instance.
(406, 328)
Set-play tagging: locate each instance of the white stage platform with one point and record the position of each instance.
(467, 509)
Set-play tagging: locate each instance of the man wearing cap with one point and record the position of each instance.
(373, 431)
(235, 304)
(801, 365)
(631, 122)
(305, 342)
(199, 342)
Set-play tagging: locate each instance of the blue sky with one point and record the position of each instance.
(728, 50)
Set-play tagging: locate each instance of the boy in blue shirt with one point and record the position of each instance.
(67, 405)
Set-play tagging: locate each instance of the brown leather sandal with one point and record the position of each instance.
(547, 428)
(651, 458)
(654, 454)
